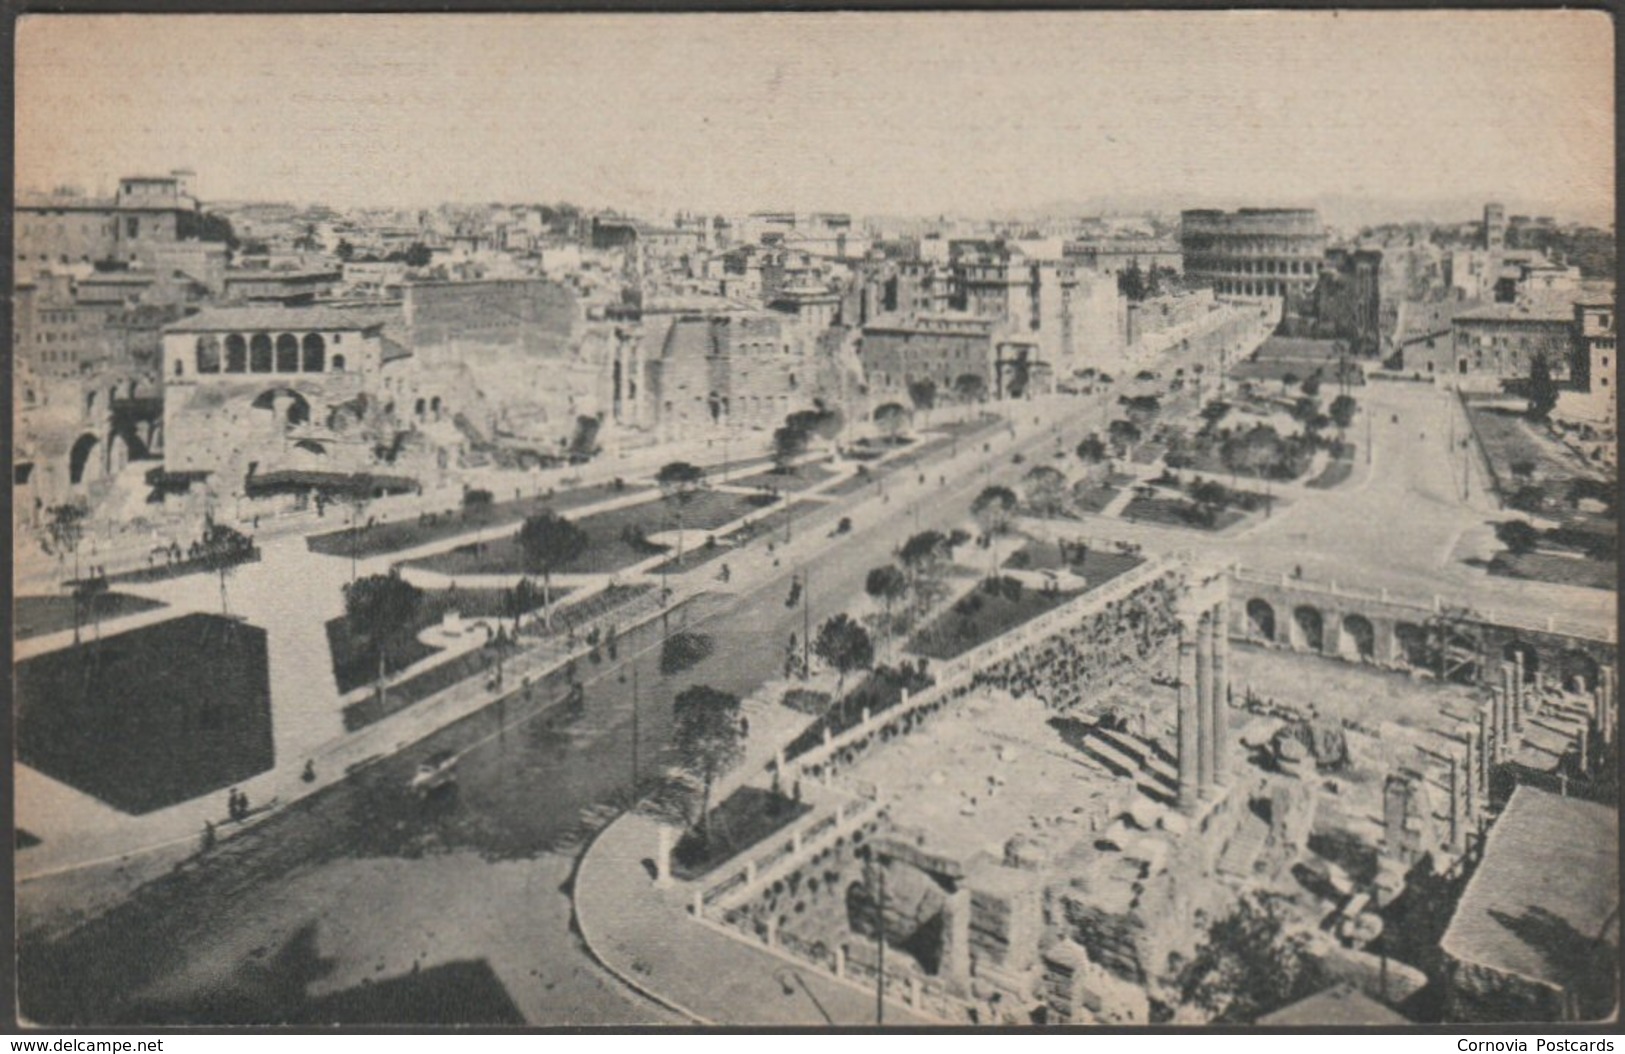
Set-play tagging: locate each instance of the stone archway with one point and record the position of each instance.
(79, 457)
(1358, 639)
(1260, 619)
(297, 410)
(1309, 627)
(1411, 644)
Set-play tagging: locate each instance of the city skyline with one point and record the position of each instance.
(1404, 114)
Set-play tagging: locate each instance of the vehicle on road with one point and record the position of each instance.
(437, 771)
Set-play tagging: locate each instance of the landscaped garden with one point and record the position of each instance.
(880, 690)
(1337, 470)
(1537, 475)
(993, 608)
(802, 477)
(1095, 565)
(152, 717)
(438, 678)
(35, 616)
(616, 539)
(355, 659)
(412, 532)
(746, 817)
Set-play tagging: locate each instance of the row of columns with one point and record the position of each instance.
(1204, 647)
(1497, 733)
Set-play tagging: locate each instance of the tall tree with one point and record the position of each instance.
(1542, 389)
(1342, 412)
(1123, 433)
(789, 443)
(679, 481)
(1091, 450)
(922, 392)
(844, 644)
(993, 509)
(891, 417)
(1046, 490)
(886, 584)
(970, 388)
(549, 542)
(222, 549)
(66, 528)
(708, 739)
(381, 608)
(1249, 965)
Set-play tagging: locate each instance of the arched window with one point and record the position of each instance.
(434, 404)
(287, 353)
(420, 407)
(259, 353)
(315, 353)
(338, 363)
(180, 367)
(236, 354)
(208, 354)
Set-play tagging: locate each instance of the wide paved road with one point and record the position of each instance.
(306, 918)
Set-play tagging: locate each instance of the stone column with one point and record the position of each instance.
(1218, 705)
(1485, 737)
(1204, 715)
(1472, 785)
(1517, 679)
(955, 961)
(1458, 796)
(663, 849)
(1187, 717)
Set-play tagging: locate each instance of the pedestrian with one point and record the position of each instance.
(231, 805)
(744, 727)
(209, 837)
(309, 775)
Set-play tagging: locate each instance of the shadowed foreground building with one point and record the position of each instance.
(1536, 934)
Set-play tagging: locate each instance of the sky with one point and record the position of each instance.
(875, 113)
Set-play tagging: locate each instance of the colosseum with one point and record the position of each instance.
(1254, 252)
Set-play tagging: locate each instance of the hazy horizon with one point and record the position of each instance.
(1366, 115)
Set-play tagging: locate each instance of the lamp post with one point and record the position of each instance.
(806, 620)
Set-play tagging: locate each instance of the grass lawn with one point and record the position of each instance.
(1570, 569)
(1097, 567)
(978, 617)
(801, 478)
(744, 818)
(38, 615)
(409, 533)
(610, 547)
(1336, 471)
(1093, 498)
(1507, 437)
(152, 717)
(1176, 512)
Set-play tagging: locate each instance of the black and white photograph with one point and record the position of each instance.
(903, 520)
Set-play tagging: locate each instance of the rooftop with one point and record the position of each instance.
(274, 316)
(1554, 309)
(1548, 884)
(1337, 1006)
